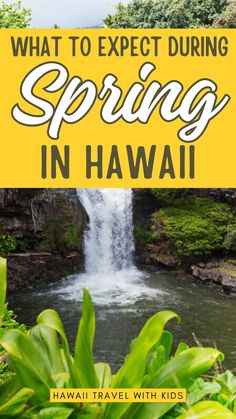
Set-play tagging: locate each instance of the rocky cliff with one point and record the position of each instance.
(202, 225)
(47, 226)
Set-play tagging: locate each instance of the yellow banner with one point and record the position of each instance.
(117, 108)
(113, 395)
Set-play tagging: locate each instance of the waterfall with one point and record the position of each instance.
(110, 274)
(108, 242)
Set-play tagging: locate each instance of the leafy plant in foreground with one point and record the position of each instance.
(7, 322)
(41, 360)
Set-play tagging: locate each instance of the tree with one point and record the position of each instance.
(14, 15)
(228, 18)
(166, 13)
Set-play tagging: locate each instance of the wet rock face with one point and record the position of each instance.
(220, 272)
(49, 224)
(19, 210)
(24, 212)
(153, 255)
(29, 270)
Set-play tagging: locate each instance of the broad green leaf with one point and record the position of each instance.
(156, 360)
(84, 345)
(132, 372)
(177, 373)
(160, 353)
(60, 410)
(166, 340)
(46, 341)
(28, 363)
(181, 347)
(88, 412)
(204, 389)
(207, 410)
(51, 319)
(62, 380)
(3, 286)
(16, 405)
(103, 372)
(8, 389)
(228, 383)
(56, 412)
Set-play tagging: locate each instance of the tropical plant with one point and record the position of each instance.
(7, 322)
(41, 363)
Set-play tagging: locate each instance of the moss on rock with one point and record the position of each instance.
(63, 231)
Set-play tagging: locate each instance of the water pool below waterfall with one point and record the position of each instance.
(204, 311)
(125, 297)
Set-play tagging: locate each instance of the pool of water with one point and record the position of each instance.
(125, 300)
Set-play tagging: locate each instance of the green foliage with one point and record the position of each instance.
(7, 244)
(14, 15)
(41, 363)
(221, 388)
(166, 195)
(7, 321)
(62, 234)
(230, 238)
(228, 18)
(195, 225)
(142, 235)
(166, 14)
(22, 245)
(3, 287)
(207, 410)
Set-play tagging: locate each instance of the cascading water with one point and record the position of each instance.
(110, 274)
(109, 243)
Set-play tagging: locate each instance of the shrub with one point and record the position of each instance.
(142, 235)
(7, 244)
(166, 195)
(230, 238)
(7, 322)
(195, 225)
(22, 245)
(166, 14)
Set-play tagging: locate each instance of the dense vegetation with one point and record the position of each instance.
(171, 14)
(14, 15)
(7, 244)
(39, 362)
(195, 225)
(228, 18)
(8, 323)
